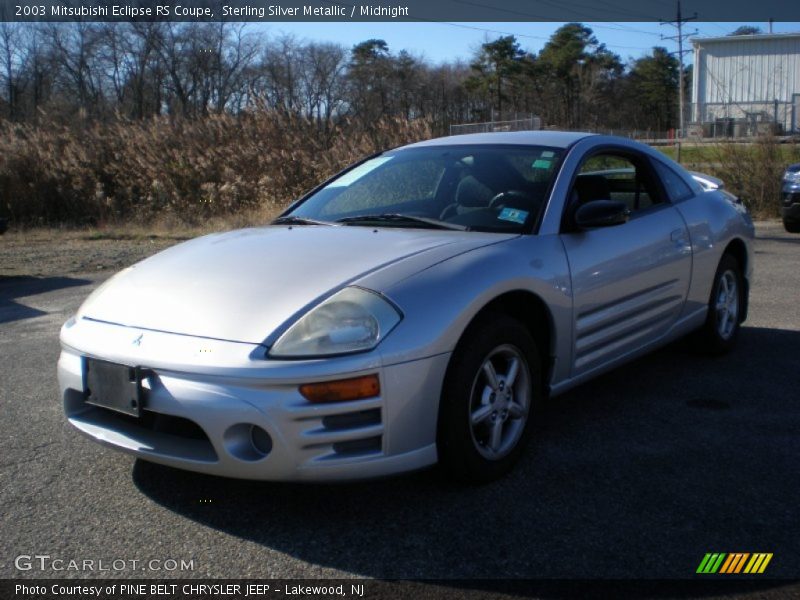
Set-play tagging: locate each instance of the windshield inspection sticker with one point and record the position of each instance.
(514, 215)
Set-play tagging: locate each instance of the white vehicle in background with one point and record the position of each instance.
(708, 182)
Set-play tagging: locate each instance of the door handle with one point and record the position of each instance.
(678, 236)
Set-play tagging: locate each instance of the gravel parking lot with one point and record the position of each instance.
(635, 475)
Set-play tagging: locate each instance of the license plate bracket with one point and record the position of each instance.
(113, 386)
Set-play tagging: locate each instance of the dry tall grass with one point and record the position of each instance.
(754, 171)
(221, 166)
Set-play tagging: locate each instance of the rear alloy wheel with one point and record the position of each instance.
(718, 334)
(491, 392)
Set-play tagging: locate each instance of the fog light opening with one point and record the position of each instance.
(261, 440)
(247, 441)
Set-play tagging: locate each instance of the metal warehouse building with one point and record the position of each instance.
(746, 84)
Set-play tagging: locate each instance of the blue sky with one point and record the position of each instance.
(439, 42)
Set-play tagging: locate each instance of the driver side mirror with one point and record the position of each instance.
(601, 213)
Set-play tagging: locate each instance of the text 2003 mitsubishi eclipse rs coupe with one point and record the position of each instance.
(415, 308)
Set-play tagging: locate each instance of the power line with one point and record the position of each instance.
(562, 6)
(464, 26)
(725, 30)
(520, 35)
(615, 27)
(622, 10)
(523, 35)
(678, 24)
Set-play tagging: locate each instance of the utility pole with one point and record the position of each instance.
(678, 24)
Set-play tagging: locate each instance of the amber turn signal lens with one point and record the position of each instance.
(342, 390)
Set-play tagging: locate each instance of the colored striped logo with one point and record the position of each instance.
(735, 562)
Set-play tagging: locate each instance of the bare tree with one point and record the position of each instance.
(236, 52)
(280, 81)
(323, 69)
(76, 48)
(11, 60)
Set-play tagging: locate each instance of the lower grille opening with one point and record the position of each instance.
(168, 424)
(178, 426)
(363, 446)
(151, 433)
(352, 420)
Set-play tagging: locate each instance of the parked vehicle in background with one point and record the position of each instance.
(790, 198)
(707, 182)
(416, 308)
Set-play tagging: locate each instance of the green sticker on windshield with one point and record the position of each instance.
(542, 163)
(514, 215)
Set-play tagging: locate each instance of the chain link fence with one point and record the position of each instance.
(532, 123)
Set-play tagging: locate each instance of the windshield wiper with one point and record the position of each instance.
(294, 220)
(400, 219)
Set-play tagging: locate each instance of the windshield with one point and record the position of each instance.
(476, 188)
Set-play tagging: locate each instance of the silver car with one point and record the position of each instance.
(417, 308)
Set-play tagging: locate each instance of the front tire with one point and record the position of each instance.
(491, 393)
(791, 226)
(719, 333)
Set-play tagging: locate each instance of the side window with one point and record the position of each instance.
(610, 176)
(676, 187)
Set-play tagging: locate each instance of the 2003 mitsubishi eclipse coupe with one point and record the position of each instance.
(416, 308)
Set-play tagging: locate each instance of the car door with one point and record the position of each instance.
(629, 281)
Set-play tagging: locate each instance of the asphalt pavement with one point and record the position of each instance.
(637, 474)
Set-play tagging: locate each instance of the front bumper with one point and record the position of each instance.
(790, 202)
(204, 397)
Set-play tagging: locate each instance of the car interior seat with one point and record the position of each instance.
(585, 189)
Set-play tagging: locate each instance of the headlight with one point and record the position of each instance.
(352, 320)
(792, 176)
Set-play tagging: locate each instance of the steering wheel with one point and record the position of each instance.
(499, 201)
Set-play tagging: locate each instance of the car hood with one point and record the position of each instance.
(242, 285)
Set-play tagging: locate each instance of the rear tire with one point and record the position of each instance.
(492, 392)
(719, 333)
(791, 226)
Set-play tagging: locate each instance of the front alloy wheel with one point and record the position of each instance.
(499, 402)
(791, 226)
(718, 334)
(491, 392)
(727, 306)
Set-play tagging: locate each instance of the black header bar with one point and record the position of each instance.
(275, 11)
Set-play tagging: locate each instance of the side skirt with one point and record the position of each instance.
(679, 329)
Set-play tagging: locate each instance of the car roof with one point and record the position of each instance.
(554, 139)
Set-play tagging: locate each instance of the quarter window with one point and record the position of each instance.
(677, 189)
(611, 176)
